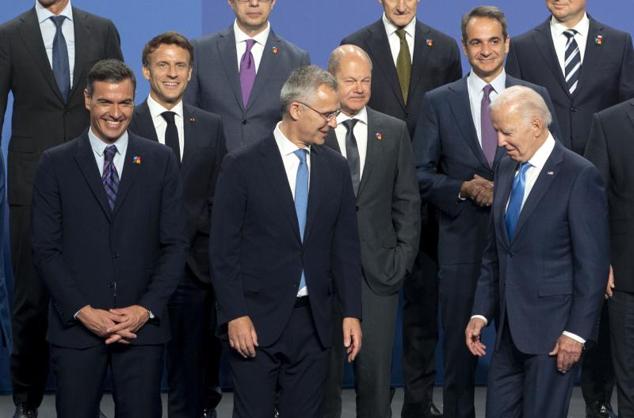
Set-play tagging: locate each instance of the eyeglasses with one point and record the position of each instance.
(328, 116)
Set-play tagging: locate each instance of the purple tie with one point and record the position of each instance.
(110, 177)
(247, 72)
(487, 133)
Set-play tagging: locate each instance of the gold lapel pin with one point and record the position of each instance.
(275, 50)
(429, 42)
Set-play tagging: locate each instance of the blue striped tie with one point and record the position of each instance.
(301, 199)
(572, 62)
(515, 201)
(61, 66)
(110, 177)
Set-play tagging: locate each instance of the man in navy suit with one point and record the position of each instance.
(284, 244)
(598, 74)
(238, 73)
(456, 155)
(108, 241)
(196, 137)
(546, 264)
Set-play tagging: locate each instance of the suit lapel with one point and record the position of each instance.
(331, 141)
(544, 42)
(143, 121)
(592, 58)
(32, 36)
(374, 150)
(317, 190)
(421, 54)
(268, 67)
(82, 43)
(129, 174)
(630, 111)
(227, 53)
(190, 125)
(88, 166)
(380, 50)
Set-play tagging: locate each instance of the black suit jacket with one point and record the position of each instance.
(610, 148)
(436, 62)
(203, 152)
(88, 254)
(256, 251)
(606, 76)
(448, 153)
(41, 118)
(388, 204)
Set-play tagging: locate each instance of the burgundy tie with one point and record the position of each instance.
(247, 72)
(487, 133)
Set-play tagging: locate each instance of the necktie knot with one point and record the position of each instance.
(570, 33)
(168, 116)
(58, 21)
(350, 123)
(301, 154)
(524, 168)
(487, 90)
(109, 152)
(250, 43)
(401, 34)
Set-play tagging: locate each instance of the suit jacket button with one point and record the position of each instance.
(244, 121)
(356, 208)
(573, 109)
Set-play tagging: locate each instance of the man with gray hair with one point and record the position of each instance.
(546, 264)
(284, 244)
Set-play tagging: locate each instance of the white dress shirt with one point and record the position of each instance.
(98, 148)
(475, 86)
(291, 163)
(395, 41)
(537, 162)
(360, 131)
(160, 124)
(48, 29)
(258, 47)
(557, 30)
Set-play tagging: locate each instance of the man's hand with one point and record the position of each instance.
(128, 321)
(242, 336)
(609, 289)
(568, 352)
(472, 337)
(352, 337)
(98, 321)
(479, 189)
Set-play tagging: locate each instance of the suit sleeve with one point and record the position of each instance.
(46, 235)
(455, 71)
(5, 77)
(171, 262)
(346, 251)
(227, 220)
(554, 125)
(589, 231)
(192, 92)
(113, 43)
(626, 80)
(597, 149)
(512, 63)
(435, 188)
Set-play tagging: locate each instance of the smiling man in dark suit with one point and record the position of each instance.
(238, 73)
(546, 263)
(45, 55)
(196, 138)
(284, 244)
(456, 155)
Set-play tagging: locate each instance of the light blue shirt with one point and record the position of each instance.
(98, 147)
(48, 29)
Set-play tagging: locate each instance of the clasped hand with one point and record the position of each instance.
(114, 325)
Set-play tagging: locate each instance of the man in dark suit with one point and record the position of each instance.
(238, 73)
(284, 244)
(409, 59)
(108, 241)
(196, 137)
(545, 267)
(610, 149)
(456, 155)
(598, 75)
(45, 55)
(380, 160)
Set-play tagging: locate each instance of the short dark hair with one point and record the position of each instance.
(110, 70)
(490, 12)
(167, 38)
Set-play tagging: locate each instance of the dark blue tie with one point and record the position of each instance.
(301, 199)
(61, 68)
(110, 177)
(515, 201)
(352, 154)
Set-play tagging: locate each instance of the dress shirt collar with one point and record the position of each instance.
(582, 28)
(156, 108)
(476, 84)
(390, 28)
(538, 160)
(284, 144)
(98, 146)
(260, 38)
(43, 13)
(361, 116)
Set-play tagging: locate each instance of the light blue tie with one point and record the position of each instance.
(515, 201)
(301, 199)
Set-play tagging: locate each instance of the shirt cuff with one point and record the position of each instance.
(486, 322)
(574, 337)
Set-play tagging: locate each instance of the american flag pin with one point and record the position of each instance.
(379, 136)
(429, 42)
(275, 50)
(550, 173)
(598, 40)
(136, 160)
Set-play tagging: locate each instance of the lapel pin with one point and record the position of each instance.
(379, 136)
(192, 119)
(136, 160)
(598, 40)
(275, 50)
(429, 42)
(550, 173)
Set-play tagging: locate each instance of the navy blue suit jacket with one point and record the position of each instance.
(448, 153)
(257, 254)
(215, 85)
(551, 276)
(606, 76)
(88, 254)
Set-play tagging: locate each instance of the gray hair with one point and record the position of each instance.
(303, 83)
(334, 60)
(526, 101)
(490, 12)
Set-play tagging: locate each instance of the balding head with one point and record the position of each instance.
(526, 101)
(347, 51)
(352, 67)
